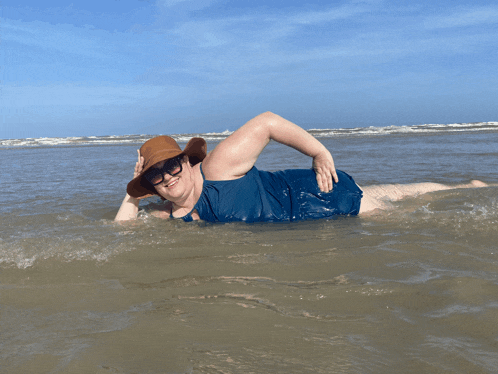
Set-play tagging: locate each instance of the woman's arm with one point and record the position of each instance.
(129, 206)
(128, 210)
(237, 154)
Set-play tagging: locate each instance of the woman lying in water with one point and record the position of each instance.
(224, 185)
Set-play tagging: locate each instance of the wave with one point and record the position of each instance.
(401, 130)
(216, 137)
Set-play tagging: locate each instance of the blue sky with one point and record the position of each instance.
(114, 67)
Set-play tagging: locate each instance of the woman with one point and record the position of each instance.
(225, 186)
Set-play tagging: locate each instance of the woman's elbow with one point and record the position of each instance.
(267, 119)
(268, 115)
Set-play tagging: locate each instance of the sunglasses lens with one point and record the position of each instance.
(173, 167)
(156, 175)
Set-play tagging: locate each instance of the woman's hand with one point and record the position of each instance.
(323, 164)
(139, 165)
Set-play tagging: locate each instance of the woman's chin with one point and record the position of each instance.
(170, 193)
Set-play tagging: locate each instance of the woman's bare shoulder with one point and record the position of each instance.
(160, 210)
(217, 167)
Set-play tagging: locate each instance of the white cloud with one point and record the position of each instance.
(188, 5)
(61, 38)
(329, 15)
(252, 41)
(190, 59)
(464, 17)
(75, 95)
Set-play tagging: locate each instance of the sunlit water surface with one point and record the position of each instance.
(413, 289)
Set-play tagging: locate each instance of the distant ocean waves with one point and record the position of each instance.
(416, 129)
(215, 137)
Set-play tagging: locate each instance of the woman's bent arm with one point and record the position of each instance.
(128, 209)
(237, 154)
(129, 206)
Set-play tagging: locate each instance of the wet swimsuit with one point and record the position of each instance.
(287, 195)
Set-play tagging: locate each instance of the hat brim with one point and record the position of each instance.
(140, 188)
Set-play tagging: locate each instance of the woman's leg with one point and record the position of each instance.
(375, 197)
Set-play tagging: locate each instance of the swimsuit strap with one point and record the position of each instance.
(186, 218)
(202, 173)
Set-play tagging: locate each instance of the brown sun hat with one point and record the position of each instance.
(159, 149)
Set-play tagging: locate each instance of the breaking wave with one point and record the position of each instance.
(218, 136)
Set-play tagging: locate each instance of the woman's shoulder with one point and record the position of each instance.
(227, 162)
(161, 210)
(214, 170)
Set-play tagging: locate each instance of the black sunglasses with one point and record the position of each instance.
(172, 167)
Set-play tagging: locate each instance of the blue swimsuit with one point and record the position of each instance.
(287, 195)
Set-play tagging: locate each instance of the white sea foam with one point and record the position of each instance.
(215, 137)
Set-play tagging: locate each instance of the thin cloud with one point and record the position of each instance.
(232, 45)
(178, 60)
(185, 5)
(464, 17)
(329, 15)
(61, 38)
(77, 95)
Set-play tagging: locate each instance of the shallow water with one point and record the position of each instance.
(412, 289)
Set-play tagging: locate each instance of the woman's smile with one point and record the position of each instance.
(172, 183)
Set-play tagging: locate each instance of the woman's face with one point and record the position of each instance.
(176, 187)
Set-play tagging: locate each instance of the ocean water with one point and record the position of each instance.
(413, 289)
